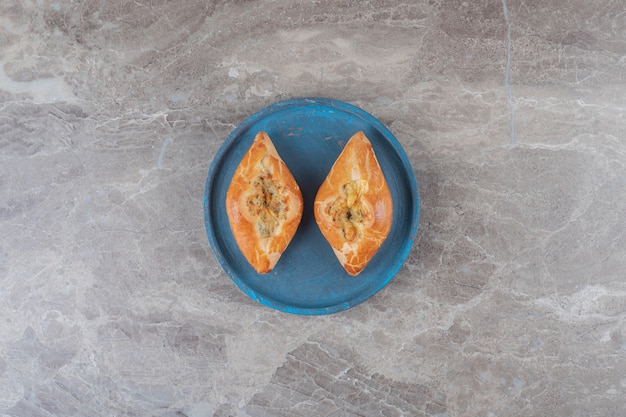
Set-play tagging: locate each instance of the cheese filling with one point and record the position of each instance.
(349, 212)
(267, 203)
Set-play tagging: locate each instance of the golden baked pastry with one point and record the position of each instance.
(353, 206)
(264, 205)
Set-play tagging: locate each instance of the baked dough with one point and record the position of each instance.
(264, 205)
(353, 206)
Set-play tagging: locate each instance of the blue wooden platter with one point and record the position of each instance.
(309, 134)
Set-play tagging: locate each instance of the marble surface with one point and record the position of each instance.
(511, 303)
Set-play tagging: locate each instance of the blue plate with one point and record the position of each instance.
(309, 134)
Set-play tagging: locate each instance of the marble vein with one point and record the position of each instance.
(507, 74)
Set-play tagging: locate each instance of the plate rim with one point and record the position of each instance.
(303, 102)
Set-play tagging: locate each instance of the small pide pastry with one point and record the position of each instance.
(264, 205)
(353, 206)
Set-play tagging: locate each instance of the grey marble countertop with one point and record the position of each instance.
(512, 301)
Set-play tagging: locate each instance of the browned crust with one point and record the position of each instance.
(263, 242)
(355, 242)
